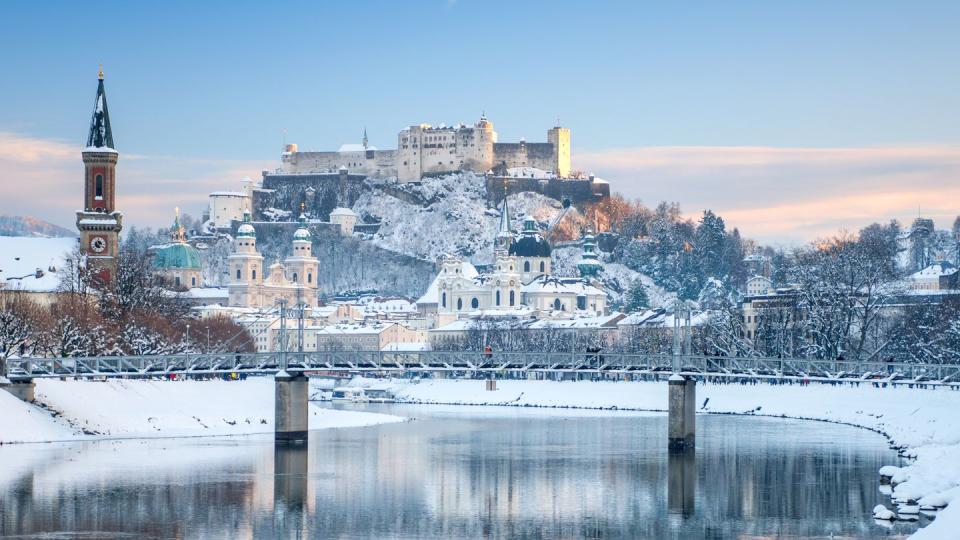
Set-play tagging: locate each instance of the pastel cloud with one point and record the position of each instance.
(790, 195)
(44, 178)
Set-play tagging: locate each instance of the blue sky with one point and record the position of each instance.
(200, 92)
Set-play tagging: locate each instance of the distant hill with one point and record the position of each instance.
(31, 226)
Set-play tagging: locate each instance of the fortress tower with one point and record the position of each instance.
(559, 137)
(99, 223)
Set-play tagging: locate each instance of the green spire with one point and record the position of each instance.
(101, 136)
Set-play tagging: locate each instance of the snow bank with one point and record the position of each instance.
(923, 423)
(143, 409)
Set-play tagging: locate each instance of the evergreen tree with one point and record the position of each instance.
(636, 298)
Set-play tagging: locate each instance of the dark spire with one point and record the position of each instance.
(100, 134)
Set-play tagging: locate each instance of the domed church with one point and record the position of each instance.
(178, 262)
(520, 283)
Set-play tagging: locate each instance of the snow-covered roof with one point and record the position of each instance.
(415, 346)
(354, 147)
(208, 292)
(350, 329)
(529, 172)
(934, 271)
(228, 194)
(554, 285)
(432, 296)
(659, 318)
(341, 211)
(580, 322)
(33, 264)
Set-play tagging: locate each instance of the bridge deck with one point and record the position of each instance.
(480, 362)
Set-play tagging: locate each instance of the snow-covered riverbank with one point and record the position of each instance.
(924, 423)
(145, 409)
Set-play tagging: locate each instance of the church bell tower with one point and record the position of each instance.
(99, 222)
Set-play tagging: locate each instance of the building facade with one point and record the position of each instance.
(424, 150)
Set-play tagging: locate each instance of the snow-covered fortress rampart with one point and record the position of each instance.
(425, 150)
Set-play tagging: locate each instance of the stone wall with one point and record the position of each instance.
(578, 191)
(539, 155)
(378, 163)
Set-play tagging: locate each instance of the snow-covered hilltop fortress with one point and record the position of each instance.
(424, 150)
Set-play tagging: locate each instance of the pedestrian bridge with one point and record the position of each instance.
(489, 364)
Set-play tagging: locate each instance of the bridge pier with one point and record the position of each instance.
(682, 421)
(291, 403)
(23, 390)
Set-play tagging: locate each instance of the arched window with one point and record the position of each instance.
(443, 300)
(98, 187)
(526, 266)
(512, 297)
(459, 304)
(193, 282)
(294, 277)
(176, 281)
(474, 303)
(254, 273)
(238, 273)
(498, 298)
(556, 304)
(309, 277)
(542, 266)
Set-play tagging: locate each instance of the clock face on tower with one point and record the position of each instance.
(98, 244)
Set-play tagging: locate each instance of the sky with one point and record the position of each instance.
(792, 120)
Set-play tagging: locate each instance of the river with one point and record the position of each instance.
(460, 472)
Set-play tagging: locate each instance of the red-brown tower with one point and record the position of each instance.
(99, 222)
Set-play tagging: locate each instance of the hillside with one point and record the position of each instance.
(31, 226)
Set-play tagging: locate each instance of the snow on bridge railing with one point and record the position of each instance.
(493, 361)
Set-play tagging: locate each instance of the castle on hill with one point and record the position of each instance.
(425, 150)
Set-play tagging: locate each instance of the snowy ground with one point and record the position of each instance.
(142, 409)
(924, 423)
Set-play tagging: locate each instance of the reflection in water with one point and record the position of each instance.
(682, 481)
(290, 490)
(475, 472)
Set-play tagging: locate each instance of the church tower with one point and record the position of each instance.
(302, 266)
(99, 222)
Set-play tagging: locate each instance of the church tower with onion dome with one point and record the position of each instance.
(99, 223)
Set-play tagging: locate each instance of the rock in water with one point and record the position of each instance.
(882, 512)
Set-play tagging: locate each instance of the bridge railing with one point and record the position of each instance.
(479, 361)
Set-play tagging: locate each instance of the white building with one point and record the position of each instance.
(936, 277)
(228, 206)
(424, 150)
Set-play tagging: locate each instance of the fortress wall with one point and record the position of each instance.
(579, 191)
(539, 155)
(380, 163)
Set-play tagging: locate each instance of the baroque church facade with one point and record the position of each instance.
(293, 281)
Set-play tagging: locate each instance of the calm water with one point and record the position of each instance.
(459, 472)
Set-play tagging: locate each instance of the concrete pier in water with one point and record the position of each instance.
(682, 423)
(291, 401)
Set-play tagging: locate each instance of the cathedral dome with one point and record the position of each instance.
(530, 246)
(177, 255)
(246, 230)
(302, 234)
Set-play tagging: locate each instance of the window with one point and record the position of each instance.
(98, 187)
(176, 281)
(498, 298)
(193, 282)
(511, 298)
(542, 266)
(443, 300)
(254, 273)
(557, 304)
(459, 303)
(581, 302)
(238, 273)
(526, 266)
(294, 277)
(309, 277)
(474, 303)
